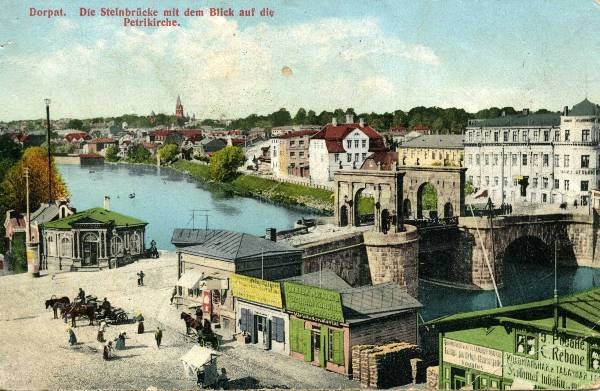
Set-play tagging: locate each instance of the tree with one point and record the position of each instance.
(111, 153)
(139, 154)
(223, 165)
(300, 117)
(168, 153)
(75, 124)
(9, 149)
(281, 117)
(13, 186)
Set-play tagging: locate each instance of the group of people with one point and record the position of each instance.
(506, 209)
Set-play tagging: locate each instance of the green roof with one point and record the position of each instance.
(98, 214)
(584, 305)
(545, 119)
(584, 108)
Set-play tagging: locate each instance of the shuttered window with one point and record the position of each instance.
(296, 337)
(244, 319)
(338, 347)
(278, 332)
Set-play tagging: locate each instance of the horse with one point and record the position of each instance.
(51, 302)
(190, 322)
(79, 309)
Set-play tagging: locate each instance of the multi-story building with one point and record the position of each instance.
(432, 150)
(536, 158)
(341, 147)
(290, 154)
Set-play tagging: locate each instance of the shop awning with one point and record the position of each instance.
(191, 279)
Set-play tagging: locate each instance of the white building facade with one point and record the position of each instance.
(536, 158)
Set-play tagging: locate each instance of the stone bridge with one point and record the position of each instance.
(456, 255)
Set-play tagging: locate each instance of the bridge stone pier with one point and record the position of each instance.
(573, 237)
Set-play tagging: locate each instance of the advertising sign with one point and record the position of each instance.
(312, 301)
(256, 290)
(562, 363)
(472, 356)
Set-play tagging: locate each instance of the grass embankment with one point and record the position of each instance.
(282, 193)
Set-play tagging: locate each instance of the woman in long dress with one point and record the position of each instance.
(120, 341)
(72, 337)
(140, 319)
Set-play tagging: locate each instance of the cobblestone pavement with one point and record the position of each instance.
(35, 354)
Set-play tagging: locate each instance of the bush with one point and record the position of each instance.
(168, 153)
(111, 154)
(224, 164)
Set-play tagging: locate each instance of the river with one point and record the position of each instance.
(165, 199)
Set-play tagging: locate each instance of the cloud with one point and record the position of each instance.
(217, 67)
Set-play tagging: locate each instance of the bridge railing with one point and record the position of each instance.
(433, 223)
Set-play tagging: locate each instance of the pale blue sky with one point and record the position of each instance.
(370, 55)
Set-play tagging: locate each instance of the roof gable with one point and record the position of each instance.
(584, 108)
(96, 215)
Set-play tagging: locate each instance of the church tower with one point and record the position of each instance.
(178, 108)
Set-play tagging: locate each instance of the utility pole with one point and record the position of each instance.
(491, 208)
(555, 285)
(47, 101)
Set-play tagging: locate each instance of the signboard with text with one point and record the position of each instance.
(473, 356)
(256, 290)
(312, 301)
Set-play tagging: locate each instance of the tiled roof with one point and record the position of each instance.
(324, 279)
(546, 119)
(374, 301)
(75, 136)
(584, 108)
(98, 214)
(299, 133)
(102, 141)
(437, 141)
(228, 245)
(388, 161)
(339, 132)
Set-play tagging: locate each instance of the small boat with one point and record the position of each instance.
(132, 195)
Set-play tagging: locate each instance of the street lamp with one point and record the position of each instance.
(47, 101)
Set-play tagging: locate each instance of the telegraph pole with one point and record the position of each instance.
(47, 101)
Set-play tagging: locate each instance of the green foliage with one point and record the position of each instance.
(429, 194)
(469, 189)
(111, 154)
(19, 257)
(366, 206)
(63, 149)
(75, 124)
(168, 153)
(139, 154)
(9, 149)
(223, 165)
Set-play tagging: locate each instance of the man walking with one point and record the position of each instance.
(141, 278)
(158, 336)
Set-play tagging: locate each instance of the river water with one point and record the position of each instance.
(165, 199)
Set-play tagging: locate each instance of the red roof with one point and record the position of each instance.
(300, 133)
(160, 133)
(387, 160)
(335, 134)
(126, 142)
(149, 145)
(105, 140)
(238, 141)
(18, 137)
(421, 128)
(398, 129)
(77, 136)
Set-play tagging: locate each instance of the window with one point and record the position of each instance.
(585, 135)
(349, 143)
(534, 183)
(505, 181)
(505, 136)
(524, 159)
(355, 143)
(524, 136)
(364, 143)
(566, 184)
(515, 182)
(470, 159)
(594, 359)
(535, 159)
(349, 157)
(292, 143)
(477, 161)
(496, 181)
(557, 135)
(536, 135)
(65, 247)
(487, 180)
(515, 136)
(301, 142)
(556, 183)
(584, 185)
(556, 160)
(567, 134)
(292, 154)
(336, 157)
(301, 154)
(544, 197)
(504, 159)
(356, 157)
(496, 137)
(585, 161)
(514, 160)
(546, 135)
(495, 159)
(364, 156)
(545, 160)
(566, 161)
(544, 183)
(487, 160)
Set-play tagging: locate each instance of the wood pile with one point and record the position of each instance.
(385, 366)
(433, 377)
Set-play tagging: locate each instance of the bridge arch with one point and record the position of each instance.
(427, 200)
(529, 249)
(448, 210)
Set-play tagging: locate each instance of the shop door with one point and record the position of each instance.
(90, 254)
(316, 342)
(261, 330)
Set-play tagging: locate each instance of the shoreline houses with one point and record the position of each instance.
(93, 239)
(547, 344)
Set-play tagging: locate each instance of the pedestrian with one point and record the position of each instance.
(72, 337)
(101, 329)
(140, 319)
(222, 381)
(158, 336)
(141, 278)
(105, 308)
(107, 351)
(173, 294)
(120, 341)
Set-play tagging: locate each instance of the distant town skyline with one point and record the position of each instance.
(373, 56)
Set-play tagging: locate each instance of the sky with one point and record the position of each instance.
(371, 55)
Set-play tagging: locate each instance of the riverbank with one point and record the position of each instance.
(281, 193)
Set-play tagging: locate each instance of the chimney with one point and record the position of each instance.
(271, 234)
(334, 121)
(106, 204)
(361, 122)
(349, 118)
(566, 111)
(525, 111)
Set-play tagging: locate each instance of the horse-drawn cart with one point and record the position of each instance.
(201, 363)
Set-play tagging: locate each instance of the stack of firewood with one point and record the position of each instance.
(433, 375)
(385, 366)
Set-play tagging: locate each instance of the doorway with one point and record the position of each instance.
(263, 337)
(90, 254)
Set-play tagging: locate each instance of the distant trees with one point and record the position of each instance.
(111, 153)
(168, 153)
(75, 124)
(139, 154)
(223, 165)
